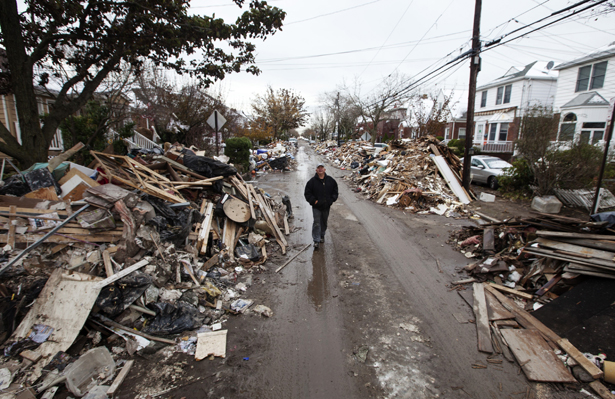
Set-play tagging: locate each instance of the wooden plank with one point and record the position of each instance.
(530, 322)
(272, 219)
(546, 233)
(58, 159)
(251, 202)
(495, 309)
(210, 263)
(511, 291)
(601, 390)
(83, 176)
(505, 350)
(122, 273)
(203, 237)
(575, 249)
(108, 265)
(12, 226)
(44, 193)
(537, 360)
(76, 193)
(584, 362)
(482, 319)
(260, 201)
(228, 237)
(120, 378)
(30, 238)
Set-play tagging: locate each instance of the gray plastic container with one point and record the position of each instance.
(93, 367)
(546, 204)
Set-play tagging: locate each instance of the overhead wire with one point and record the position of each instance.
(331, 13)
(385, 41)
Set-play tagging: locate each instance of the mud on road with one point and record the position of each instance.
(367, 315)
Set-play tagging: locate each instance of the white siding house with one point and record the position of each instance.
(584, 89)
(500, 104)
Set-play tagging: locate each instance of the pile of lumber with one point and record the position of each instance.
(417, 175)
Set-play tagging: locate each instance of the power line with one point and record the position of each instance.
(426, 32)
(385, 41)
(331, 13)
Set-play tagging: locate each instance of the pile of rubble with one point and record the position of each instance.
(522, 265)
(278, 155)
(419, 176)
(152, 249)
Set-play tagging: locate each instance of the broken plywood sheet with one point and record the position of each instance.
(495, 308)
(211, 343)
(450, 179)
(537, 359)
(64, 304)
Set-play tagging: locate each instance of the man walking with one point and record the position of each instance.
(321, 193)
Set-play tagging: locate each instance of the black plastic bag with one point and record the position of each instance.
(248, 251)
(115, 298)
(41, 178)
(279, 163)
(171, 319)
(206, 166)
(604, 217)
(173, 226)
(15, 186)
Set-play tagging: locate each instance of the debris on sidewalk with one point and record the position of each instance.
(162, 251)
(419, 176)
(533, 264)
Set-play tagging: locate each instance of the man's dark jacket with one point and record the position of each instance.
(324, 190)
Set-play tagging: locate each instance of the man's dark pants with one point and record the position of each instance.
(320, 223)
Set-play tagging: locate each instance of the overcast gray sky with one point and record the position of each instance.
(325, 43)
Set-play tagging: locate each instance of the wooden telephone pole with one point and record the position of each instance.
(474, 68)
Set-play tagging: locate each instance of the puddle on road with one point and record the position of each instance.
(318, 285)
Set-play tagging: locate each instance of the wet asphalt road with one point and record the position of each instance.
(309, 355)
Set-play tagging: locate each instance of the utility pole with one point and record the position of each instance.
(474, 68)
(337, 118)
(609, 134)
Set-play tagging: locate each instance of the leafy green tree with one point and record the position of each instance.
(78, 43)
(281, 111)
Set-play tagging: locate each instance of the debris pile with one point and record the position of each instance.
(534, 261)
(99, 264)
(419, 176)
(276, 156)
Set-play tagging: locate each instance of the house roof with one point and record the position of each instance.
(534, 70)
(588, 99)
(598, 54)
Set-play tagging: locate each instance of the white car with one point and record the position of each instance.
(486, 169)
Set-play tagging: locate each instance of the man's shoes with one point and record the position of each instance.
(315, 245)
(322, 239)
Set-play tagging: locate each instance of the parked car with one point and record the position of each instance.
(486, 169)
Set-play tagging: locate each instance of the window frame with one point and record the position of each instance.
(483, 99)
(588, 79)
(507, 94)
(499, 96)
(459, 133)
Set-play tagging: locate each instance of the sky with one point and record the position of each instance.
(326, 44)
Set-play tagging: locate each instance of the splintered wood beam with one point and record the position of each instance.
(205, 227)
(482, 319)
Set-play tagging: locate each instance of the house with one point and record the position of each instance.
(9, 116)
(455, 129)
(500, 105)
(584, 90)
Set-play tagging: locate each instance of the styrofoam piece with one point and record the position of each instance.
(486, 197)
(546, 204)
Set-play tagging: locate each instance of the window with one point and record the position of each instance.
(447, 131)
(568, 127)
(493, 128)
(483, 99)
(507, 92)
(462, 133)
(503, 132)
(503, 96)
(591, 77)
(592, 132)
(477, 163)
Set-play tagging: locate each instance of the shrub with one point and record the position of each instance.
(238, 150)
(440, 138)
(517, 179)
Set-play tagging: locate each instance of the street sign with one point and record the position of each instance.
(211, 121)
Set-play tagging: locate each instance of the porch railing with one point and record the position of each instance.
(504, 147)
